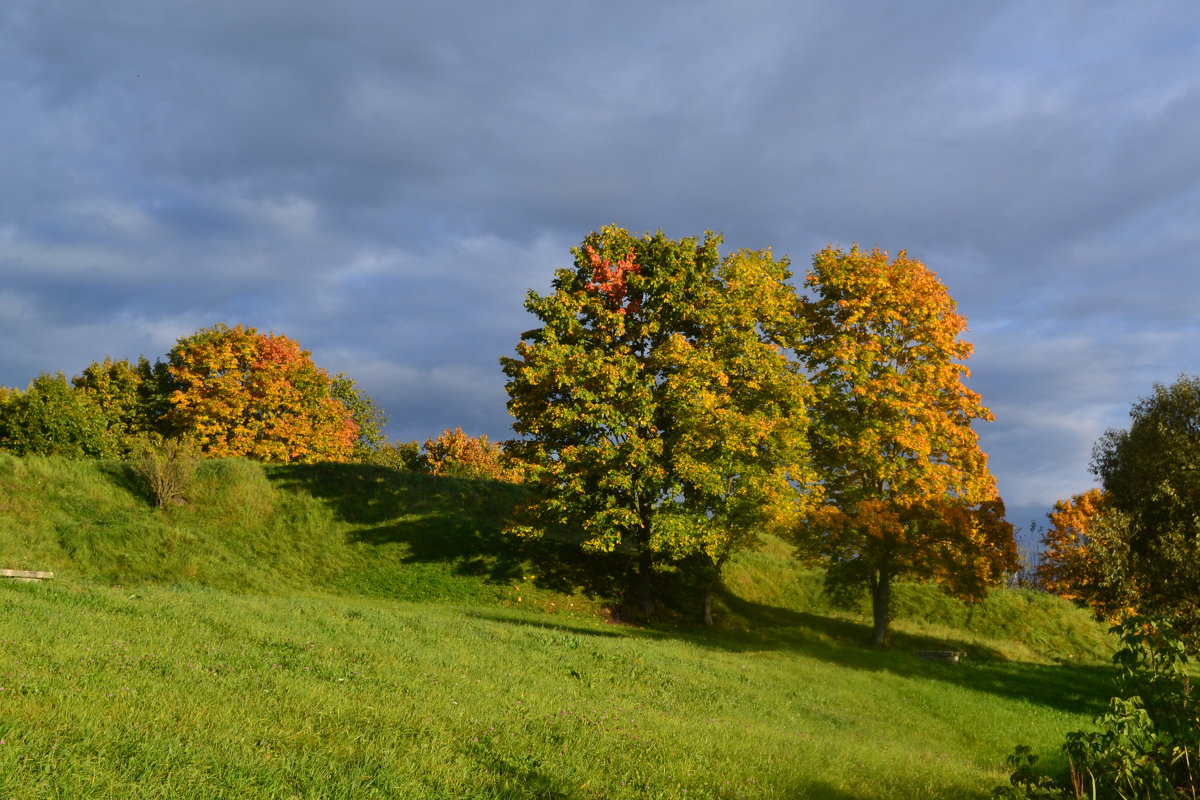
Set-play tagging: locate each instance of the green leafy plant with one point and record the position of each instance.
(1148, 744)
(1025, 781)
(1151, 474)
(50, 418)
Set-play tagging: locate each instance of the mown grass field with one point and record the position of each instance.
(329, 632)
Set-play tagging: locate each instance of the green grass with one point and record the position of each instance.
(334, 631)
(191, 692)
(767, 586)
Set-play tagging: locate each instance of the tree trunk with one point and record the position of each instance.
(710, 577)
(706, 602)
(645, 589)
(881, 595)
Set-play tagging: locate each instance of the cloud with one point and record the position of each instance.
(384, 181)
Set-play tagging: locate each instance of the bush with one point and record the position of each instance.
(403, 456)
(1147, 747)
(168, 465)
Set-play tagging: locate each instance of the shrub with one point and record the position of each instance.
(168, 465)
(403, 456)
(1147, 746)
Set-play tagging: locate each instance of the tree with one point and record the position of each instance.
(908, 490)
(1085, 555)
(133, 398)
(50, 418)
(244, 393)
(659, 410)
(1151, 473)
(369, 419)
(455, 453)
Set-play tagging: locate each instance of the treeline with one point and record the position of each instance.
(221, 392)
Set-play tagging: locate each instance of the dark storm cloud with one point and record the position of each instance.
(383, 181)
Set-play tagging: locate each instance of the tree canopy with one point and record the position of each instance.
(1085, 555)
(239, 392)
(658, 406)
(133, 398)
(907, 487)
(50, 418)
(1151, 473)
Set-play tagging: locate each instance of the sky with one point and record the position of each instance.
(384, 181)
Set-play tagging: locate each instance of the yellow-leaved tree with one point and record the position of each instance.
(907, 488)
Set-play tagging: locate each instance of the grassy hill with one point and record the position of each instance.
(345, 631)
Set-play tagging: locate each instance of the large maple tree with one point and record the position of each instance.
(659, 405)
(907, 487)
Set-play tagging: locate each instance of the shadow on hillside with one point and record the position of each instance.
(822, 791)
(461, 522)
(122, 475)
(1080, 689)
(455, 521)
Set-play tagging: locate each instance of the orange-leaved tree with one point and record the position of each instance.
(240, 392)
(1065, 567)
(907, 487)
(1085, 555)
(456, 454)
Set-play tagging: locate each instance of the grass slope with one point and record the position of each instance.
(334, 631)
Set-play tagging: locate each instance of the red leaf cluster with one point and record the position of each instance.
(609, 279)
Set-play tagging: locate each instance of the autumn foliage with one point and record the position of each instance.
(1086, 555)
(245, 393)
(610, 280)
(908, 491)
(454, 453)
(1066, 568)
(226, 391)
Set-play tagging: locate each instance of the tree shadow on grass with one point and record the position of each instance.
(461, 522)
(1074, 688)
(582, 630)
(457, 521)
(123, 475)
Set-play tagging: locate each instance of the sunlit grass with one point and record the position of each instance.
(341, 631)
(187, 692)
